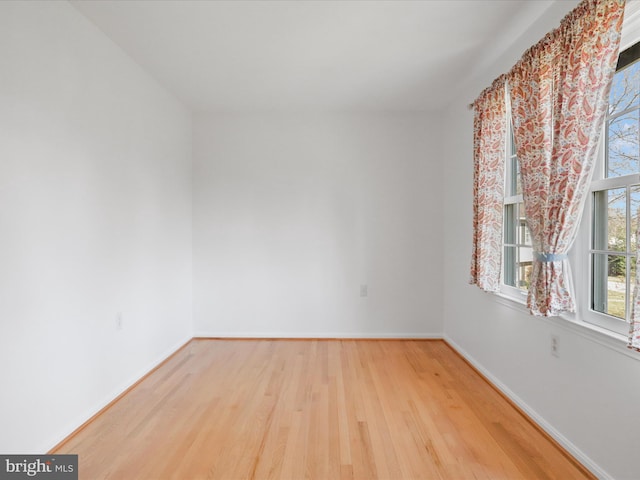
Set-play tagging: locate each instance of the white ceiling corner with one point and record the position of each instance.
(323, 55)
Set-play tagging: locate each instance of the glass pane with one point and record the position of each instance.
(525, 256)
(599, 241)
(524, 236)
(518, 178)
(635, 211)
(623, 145)
(599, 283)
(610, 220)
(617, 219)
(624, 89)
(632, 281)
(609, 285)
(510, 266)
(510, 224)
(512, 139)
(512, 177)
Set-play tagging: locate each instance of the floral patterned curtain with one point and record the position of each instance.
(489, 148)
(559, 95)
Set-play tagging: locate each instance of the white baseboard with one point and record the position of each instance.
(89, 413)
(312, 335)
(537, 418)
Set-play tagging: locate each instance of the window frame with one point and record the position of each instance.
(585, 247)
(580, 254)
(512, 200)
(583, 251)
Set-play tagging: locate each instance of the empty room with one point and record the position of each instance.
(324, 239)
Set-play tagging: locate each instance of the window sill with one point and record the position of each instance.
(571, 322)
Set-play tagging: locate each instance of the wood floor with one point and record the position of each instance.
(317, 409)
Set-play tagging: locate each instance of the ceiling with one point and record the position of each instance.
(312, 55)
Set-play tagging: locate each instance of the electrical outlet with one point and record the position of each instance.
(364, 290)
(119, 321)
(554, 346)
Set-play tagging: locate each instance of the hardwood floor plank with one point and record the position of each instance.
(317, 409)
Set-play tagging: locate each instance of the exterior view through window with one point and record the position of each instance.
(518, 252)
(616, 195)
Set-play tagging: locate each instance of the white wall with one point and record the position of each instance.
(292, 213)
(587, 396)
(95, 219)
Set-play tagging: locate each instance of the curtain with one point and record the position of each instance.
(559, 95)
(489, 149)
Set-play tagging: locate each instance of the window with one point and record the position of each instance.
(615, 200)
(517, 250)
(605, 260)
(564, 115)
